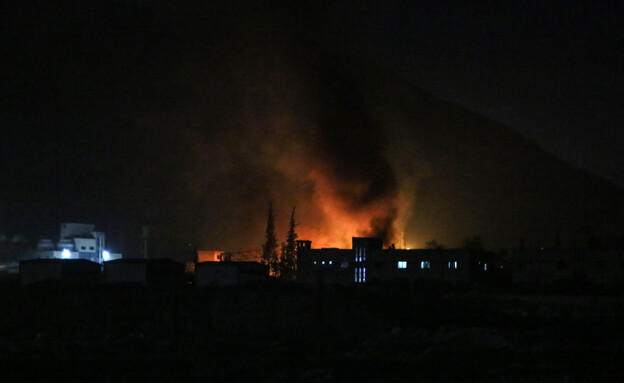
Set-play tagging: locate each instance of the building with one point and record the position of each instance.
(74, 271)
(229, 273)
(228, 256)
(148, 272)
(369, 263)
(544, 267)
(209, 255)
(76, 241)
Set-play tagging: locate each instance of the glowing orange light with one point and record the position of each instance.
(208, 255)
(341, 222)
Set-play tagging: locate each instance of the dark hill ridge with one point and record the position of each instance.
(475, 176)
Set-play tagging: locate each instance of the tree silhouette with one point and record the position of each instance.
(269, 249)
(288, 261)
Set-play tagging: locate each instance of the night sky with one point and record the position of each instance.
(191, 117)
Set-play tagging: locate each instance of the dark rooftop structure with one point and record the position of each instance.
(74, 271)
(149, 272)
(229, 273)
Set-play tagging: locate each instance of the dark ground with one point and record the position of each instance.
(52, 332)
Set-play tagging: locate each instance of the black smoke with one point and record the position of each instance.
(353, 145)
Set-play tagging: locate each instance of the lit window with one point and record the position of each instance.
(485, 267)
(323, 262)
(360, 274)
(360, 255)
(425, 265)
(330, 262)
(452, 265)
(402, 265)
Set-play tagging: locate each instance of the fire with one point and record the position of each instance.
(208, 255)
(342, 220)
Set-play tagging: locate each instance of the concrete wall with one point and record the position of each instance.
(85, 245)
(331, 266)
(76, 271)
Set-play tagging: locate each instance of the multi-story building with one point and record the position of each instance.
(76, 241)
(368, 262)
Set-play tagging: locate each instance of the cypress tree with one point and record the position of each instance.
(288, 261)
(269, 249)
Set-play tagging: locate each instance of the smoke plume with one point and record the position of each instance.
(293, 128)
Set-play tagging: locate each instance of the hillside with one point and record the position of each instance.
(474, 176)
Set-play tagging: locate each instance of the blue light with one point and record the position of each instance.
(66, 254)
(105, 256)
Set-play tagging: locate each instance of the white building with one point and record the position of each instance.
(76, 241)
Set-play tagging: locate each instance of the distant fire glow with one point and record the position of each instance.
(301, 137)
(342, 221)
(208, 255)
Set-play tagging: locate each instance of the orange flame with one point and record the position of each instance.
(340, 222)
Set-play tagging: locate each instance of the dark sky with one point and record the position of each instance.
(100, 98)
(550, 70)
